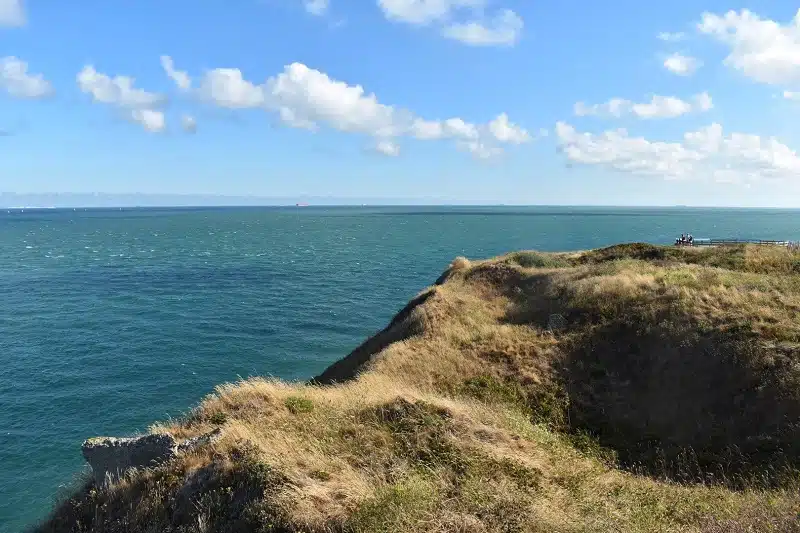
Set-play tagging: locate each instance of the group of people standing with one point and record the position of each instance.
(685, 240)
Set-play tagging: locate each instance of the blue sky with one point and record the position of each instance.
(472, 101)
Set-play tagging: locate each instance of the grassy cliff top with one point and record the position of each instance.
(633, 388)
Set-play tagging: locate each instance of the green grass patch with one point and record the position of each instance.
(403, 506)
(489, 389)
(589, 446)
(548, 405)
(298, 404)
(423, 433)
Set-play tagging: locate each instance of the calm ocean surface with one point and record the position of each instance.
(111, 320)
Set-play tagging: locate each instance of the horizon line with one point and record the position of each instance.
(370, 204)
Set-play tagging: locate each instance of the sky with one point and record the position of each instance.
(624, 102)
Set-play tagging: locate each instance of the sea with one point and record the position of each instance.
(112, 319)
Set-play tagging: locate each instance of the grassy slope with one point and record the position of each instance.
(670, 402)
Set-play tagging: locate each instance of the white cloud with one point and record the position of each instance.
(118, 90)
(661, 107)
(19, 83)
(426, 130)
(479, 149)
(316, 7)
(189, 124)
(226, 87)
(707, 140)
(302, 97)
(387, 148)
(139, 105)
(306, 98)
(615, 107)
(706, 153)
(657, 107)
(505, 131)
(762, 49)
(310, 97)
(501, 29)
(682, 65)
(181, 78)
(456, 127)
(151, 120)
(671, 37)
(703, 102)
(504, 29)
(617, 150)
(791, 95)
(12, 13)
(421, 12)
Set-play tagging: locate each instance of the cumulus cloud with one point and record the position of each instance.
(657, 107)
(19, 83)
(422, 12)
(310, 97)
(307, 98)
(479, 149)
(189, 124)
(181, 78)
(504, 29)
(707, 152)
(682, 65)
(316, 7)
(226, 87)
(387, 148)
(12, 13)
(137, 105)
(671, 37)
(456, 127)
(118, 90)
(762, 49)
(505, 131)
(150, 119)
(426, 130)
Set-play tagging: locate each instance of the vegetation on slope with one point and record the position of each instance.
(665, 396)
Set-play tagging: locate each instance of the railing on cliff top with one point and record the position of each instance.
(733, 242)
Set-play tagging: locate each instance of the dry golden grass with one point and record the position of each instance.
(471, 413)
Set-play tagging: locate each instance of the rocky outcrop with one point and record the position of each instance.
(110, 457)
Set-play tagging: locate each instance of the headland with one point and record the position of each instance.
(632, 388)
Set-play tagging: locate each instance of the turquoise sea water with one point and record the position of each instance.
(113, 319)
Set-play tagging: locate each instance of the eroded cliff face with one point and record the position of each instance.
(633, 388)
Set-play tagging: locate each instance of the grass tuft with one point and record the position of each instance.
(298, 405)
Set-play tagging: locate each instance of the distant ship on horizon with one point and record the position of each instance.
(301, 205)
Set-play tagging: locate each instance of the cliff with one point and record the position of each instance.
(633, 388)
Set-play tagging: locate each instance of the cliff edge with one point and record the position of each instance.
(632, 388)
